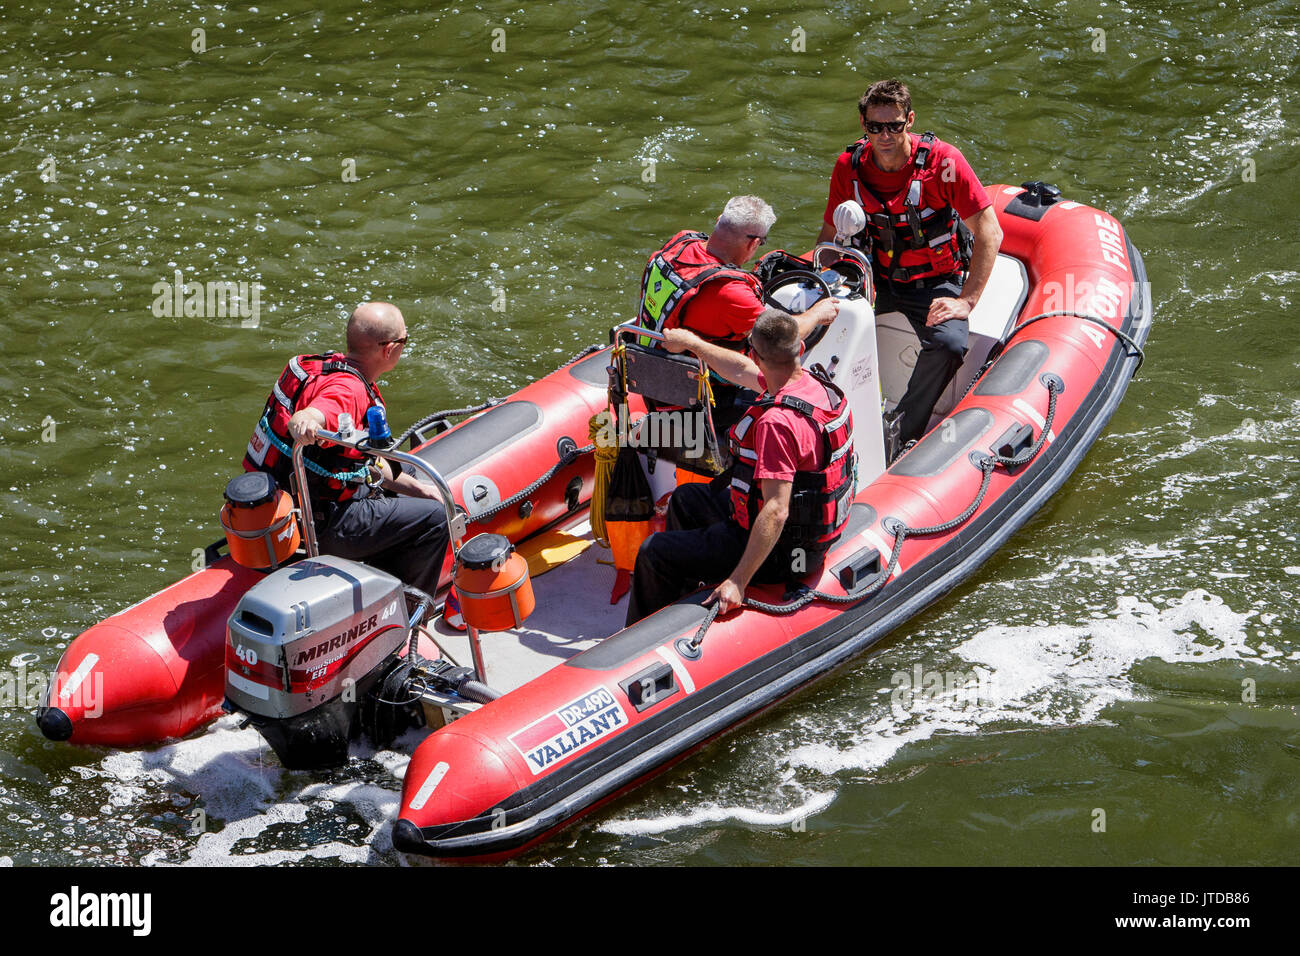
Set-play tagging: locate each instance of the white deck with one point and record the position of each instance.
(1000, 302)
(573, 613)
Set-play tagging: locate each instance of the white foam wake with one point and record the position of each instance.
(1047, 675)
(716, 814)
(244, 799)
(1032, 675)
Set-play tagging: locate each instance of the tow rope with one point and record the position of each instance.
(362, 473)
(691, 648)
(446, 413)
(1135, 350)
(568, 458)
(565, 460)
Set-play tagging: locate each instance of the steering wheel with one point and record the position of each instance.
(802, 276)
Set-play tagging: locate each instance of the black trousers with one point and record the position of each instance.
(701, 547)
(407, 537)
(943, 346)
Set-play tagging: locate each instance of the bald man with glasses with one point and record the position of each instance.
(402, 528)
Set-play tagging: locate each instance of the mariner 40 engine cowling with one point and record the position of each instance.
(308, 653)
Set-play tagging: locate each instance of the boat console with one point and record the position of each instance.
(846, 349)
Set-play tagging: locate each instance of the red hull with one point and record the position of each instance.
(157, 670)
(517, 769)
(501, 778)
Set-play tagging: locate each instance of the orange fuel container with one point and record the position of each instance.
(261, 526)
(493, 584)
(687, 477)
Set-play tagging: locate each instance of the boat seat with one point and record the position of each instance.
(998, 308)
(661, 376)
(669, 384)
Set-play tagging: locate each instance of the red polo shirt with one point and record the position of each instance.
(956, 185)
(786, 441)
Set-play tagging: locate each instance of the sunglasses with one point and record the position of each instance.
(896, 126)
(762, 240)
(402, 341)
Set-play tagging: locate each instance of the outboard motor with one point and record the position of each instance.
(309, 651)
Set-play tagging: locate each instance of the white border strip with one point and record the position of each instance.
(1037, 419)
(683, 676)
(80, 674)
(884, 549)
(430, 784)
(253, 689)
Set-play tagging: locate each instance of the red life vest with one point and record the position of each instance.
(333, 473)
(669, 283)
(909, 240)
(819, 500)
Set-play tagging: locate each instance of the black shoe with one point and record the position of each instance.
(902, 451)
(893, 447)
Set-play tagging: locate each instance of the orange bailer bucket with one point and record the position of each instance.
(261, 527)
(493, 584)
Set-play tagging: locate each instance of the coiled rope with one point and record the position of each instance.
(446, 413)
(901, 533)
(606, 456)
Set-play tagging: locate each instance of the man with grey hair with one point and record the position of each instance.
(744, 215)
(406, 535)
(695, 281)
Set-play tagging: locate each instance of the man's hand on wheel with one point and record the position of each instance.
(826, 310)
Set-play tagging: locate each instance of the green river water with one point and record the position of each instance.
(1139, 635)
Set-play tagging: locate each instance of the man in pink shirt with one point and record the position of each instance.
(754, 521)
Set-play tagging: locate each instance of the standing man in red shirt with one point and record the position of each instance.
(928, 220)
(787, 499)
(406, 535)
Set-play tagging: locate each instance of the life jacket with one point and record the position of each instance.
(333, 473)
(909, 240)
(819, 500)
(668, 284)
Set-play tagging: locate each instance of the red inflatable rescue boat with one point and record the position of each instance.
(533, 725)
